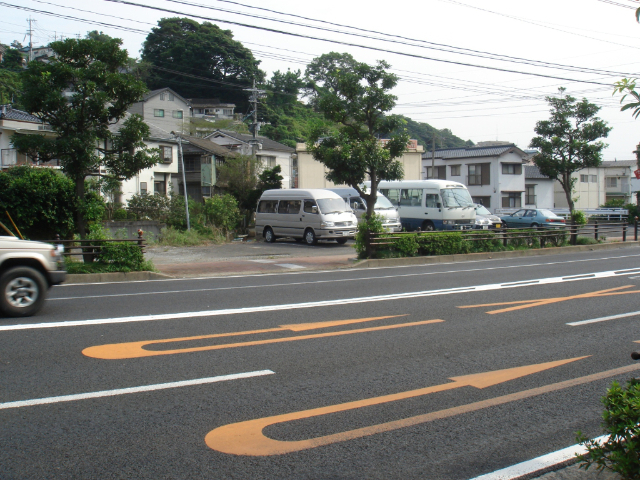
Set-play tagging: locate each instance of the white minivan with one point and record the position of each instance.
(309, 215)
(383, 208)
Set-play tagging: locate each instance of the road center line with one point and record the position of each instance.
(322, 303)
(312, 282)
(603, 319)
(125, 391)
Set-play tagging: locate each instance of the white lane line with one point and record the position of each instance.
(262, 261)
(292, 266)
(125, 391)
(369, 269)
(603, 319)
(537, 464)
(312, 282)
(322, 303)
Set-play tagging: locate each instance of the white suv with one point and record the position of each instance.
(27, 271)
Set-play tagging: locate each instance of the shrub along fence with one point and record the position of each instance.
(105, 250)
(410, 244)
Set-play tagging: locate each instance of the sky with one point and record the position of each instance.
(480, 69)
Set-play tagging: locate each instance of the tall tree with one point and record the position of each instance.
(356, 96)
(569, 141)
(80, 93)
(12, 59)
(179, 46)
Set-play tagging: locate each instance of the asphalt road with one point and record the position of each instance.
(383, 384)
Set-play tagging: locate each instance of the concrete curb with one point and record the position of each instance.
(113, 277)
(397, 262)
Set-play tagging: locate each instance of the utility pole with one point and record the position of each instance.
(255, 96)
(637, 172)
(184, 180)
(30, 20)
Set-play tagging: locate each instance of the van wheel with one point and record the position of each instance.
(22, 291)
(341, 241)
(269, 237)
(427, 226)
(310, 237)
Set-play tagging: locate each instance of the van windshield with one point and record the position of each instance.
(332, 205)
(383, 203)
(456, 197)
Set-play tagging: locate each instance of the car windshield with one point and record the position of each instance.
(332, 205)
(383, 203)
(456, 197)
(547, 213)
(480, 210)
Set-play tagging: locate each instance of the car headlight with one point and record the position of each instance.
(482, 221)
(327, 224)
(449, 222)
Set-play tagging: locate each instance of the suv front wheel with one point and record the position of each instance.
(22, 291)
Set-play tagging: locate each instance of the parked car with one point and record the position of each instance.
(383, 207)
(27, 271)
(305, 215)
(486, 220)
(530, 217)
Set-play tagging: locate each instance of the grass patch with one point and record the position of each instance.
(172, 237)
(76, 266)
(586, 241)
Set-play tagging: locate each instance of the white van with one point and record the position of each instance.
(308, 215)
(430, 204)
(383, 207)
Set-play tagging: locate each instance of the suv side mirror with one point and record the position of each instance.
(314, 209)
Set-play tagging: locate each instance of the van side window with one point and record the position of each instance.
(393, 194)
(289, 206)
(267, 206)
(308, 206)
(431, 200)
(411, 197)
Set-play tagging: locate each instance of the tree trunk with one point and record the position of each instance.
(574, 236)
(81, 224)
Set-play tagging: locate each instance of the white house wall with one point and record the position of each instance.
(167, 123)
(585, 195)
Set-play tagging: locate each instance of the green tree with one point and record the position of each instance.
(12, 59)
(81, 93)
(270, 179)
(41, 201)
(179, 46)
(356, 96)
(569, 141)
(10, 87)
(238, 176)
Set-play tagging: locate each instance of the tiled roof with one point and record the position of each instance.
(468, 152)
(267, 144)
(155, 132)
(9, 113)
(531, 171)
(208, 146)
(620, 163)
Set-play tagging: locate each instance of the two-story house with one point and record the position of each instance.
(493, 172)
(270, 152)
(14, 121)
(618, 177)
(165, 110)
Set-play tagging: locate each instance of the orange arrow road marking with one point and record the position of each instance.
(522, 304)
(246, 438)
(117, 351)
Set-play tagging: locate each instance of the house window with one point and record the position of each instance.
(475, 175)
(191, 164)
(177, 114)
(228, 111)
(206, 191)
(612, 182)
(588, 179)
(530, 195)
(267, 161)
(162, 96)
(171, 97)
(512, 169)
(485, 201)
(167, 154)
(160, 187)
(593, 179)
(143, 188)
(158, 112)
(219, 162)
(511, 200)
(440, 172)
(455, 170)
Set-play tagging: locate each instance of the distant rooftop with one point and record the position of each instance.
(482, 151)
(9, 113)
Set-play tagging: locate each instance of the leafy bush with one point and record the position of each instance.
(365, 228)
(120, 214)
(149, 207)
(620, 453)
(41, 201)
(123, 256)
(578, 217)
(222, 212)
